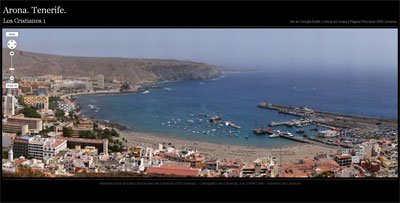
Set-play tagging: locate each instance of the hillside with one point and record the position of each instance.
(132, 70)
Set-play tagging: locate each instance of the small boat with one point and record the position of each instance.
(269, 131)
(274, 135)
(247, 137)
(300, 131)
(215, 118)
(190, 121)
(203, 114)
(314, 129)
(259, 131)
(234, 126)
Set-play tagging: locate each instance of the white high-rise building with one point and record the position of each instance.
(100, 81)
(11, 155)
(8, 105)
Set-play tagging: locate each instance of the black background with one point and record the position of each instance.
(222, 14)
(207, 13)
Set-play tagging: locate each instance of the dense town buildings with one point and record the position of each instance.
(63, 145)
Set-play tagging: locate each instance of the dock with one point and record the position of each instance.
(316, 141)
(295, 138)
(272, 124)
(324, 118)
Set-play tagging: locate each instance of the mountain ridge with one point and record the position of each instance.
(135, 70)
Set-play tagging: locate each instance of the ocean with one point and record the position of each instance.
(234, 96)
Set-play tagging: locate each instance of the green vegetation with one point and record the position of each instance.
(45, 132)
(53, 102)
(324, 174)
(30, 112)
(67, 132)
(95, 125)
(60, 114)
(87, 134)
(115, 146)
(124, 87)
(4, 153)
(21, 101)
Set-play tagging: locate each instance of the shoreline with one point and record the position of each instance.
(290, 154)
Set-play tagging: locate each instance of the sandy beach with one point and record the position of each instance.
(290, 154)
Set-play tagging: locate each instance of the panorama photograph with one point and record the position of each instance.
(200, 103)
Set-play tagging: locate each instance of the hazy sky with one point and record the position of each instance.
(308, 49)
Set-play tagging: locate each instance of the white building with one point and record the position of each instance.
(100, 81)
(34, 124)
(355, 159)
(35, 147)
(8, 105)
(66, 106)
(53, 146)
(6, 139)
(11, 155)
(8, 167)
(146, 153)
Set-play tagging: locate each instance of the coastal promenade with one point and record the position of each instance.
(103, 92)
(111, 92)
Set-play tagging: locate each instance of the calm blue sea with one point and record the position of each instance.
(235, 96)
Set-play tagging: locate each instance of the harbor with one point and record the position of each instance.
(202, 123)
(345, 131)
(323, 118)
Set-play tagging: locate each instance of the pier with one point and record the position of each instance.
(316, 141)
(272, 124)
(324, 118)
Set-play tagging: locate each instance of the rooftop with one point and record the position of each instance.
(297, 166)
(13, 124)
(9, 134)
(83, 140)
(342, 156)
(27, 119)
(174, 170)
(54, 143)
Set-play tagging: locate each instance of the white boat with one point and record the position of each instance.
(274, 135)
